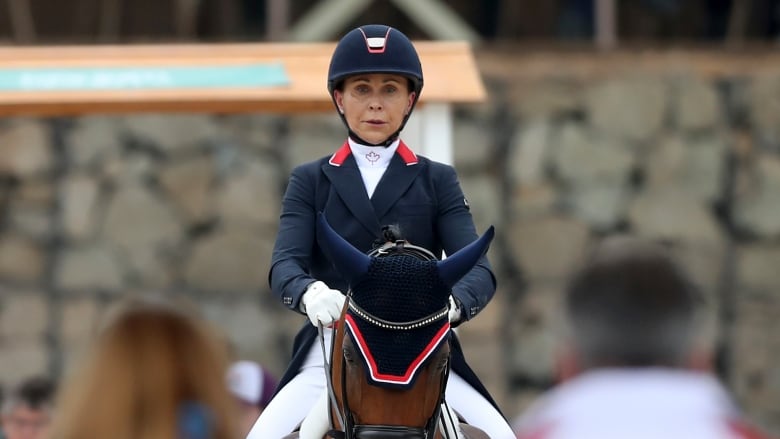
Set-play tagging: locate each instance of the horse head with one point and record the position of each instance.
(390, 350)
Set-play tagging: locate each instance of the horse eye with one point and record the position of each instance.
(348, 356)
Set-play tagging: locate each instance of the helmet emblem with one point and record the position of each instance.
(376, 44)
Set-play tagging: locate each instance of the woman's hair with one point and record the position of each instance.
(154, 372)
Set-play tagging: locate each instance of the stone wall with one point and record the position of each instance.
(570, 147)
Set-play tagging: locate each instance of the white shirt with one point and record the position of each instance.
(372, 162)
(652, 403)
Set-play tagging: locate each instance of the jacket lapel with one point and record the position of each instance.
(346, 180)
(396, 180)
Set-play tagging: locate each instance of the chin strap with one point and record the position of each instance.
(385, 144)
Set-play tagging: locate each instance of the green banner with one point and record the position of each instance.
(139, 78)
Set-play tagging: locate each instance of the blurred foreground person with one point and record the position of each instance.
(634, 366)
(28, 410)
(252, 386)
(154, 372)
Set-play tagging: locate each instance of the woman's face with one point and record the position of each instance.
(374, 105)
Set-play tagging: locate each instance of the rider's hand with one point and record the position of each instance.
(322, 304)
(454, 313)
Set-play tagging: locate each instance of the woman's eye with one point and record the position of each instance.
(390, 89)
(362, 89)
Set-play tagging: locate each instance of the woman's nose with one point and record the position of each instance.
(375, 104)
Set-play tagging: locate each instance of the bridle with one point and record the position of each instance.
(344, 414)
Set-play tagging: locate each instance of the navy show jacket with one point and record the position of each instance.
(421, 196)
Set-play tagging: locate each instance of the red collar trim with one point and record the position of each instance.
(410, 158)
(338, 157)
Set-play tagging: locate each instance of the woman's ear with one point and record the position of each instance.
(338, 97)
(412, 95)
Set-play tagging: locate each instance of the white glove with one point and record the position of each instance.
(322, 304)
(454, 314)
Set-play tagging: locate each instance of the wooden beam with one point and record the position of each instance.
(22, 22)
(438, 20)
(606, 26)
(327, 19)
(277, 19)
(451, 76)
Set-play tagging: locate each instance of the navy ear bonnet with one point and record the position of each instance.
(375, 48)
(398, 307)
(398, 317)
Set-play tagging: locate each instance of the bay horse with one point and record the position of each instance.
(390, 348)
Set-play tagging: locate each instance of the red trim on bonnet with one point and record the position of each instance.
(410, 372)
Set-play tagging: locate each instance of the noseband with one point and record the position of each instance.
(345, 415)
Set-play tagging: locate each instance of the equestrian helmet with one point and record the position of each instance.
(375, 48)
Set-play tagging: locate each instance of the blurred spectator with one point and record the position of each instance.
(27, 412)
(633, 366)
(153, 372)
(252, 386)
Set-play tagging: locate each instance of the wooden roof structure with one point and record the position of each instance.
(451, 76)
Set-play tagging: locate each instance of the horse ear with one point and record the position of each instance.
(348, 260)
(459, 263)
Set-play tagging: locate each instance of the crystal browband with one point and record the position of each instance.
(400, 326)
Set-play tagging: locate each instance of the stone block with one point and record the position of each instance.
(697, 105)
(234, 259)
(93, 140)
(608, 112)
(80, 203)
(188, 183)
(24, 148)
(548, 247)
(21, 259)
(24, 316)
(172, 134)
(529, 154)
(138, 220)
(484, 198)
(757, 268)
(22, 360)
(250, 195)
(94, 268)
(672, 215)
(79, 321)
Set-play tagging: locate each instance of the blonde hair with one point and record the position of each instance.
(152, 369)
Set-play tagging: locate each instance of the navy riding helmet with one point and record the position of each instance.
(375, 48)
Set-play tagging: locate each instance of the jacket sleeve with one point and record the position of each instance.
(292, 255)
(456, 230)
